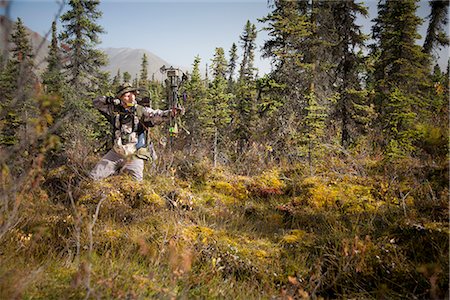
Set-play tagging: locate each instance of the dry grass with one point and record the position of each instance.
(194, 234)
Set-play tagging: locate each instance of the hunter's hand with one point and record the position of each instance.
(177, 111)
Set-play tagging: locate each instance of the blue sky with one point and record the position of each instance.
(175, 30)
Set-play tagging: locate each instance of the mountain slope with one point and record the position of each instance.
(129, 60)
(123, 59)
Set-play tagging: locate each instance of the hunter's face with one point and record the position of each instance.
(128, 98)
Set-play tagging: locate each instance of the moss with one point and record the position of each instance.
(294, 236)
(273, 235)
(267, 184)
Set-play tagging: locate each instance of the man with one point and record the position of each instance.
(129, 121)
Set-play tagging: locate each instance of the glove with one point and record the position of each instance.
(112, 100)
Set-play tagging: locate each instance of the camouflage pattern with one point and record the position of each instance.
(113, 163)
(125, 88)
(125, 122)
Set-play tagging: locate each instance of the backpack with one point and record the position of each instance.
(144, 147)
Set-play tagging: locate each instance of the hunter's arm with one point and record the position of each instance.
(103, 105)
(157, 116)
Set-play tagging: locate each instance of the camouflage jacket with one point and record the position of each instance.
(128, 123)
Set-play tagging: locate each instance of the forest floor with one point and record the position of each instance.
(343, 232)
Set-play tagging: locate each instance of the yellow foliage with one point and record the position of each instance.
(201, 233)
(347, 192)
(294, 236)
(113, 233)
(222, 187)
(437, 227)
(268, 183)
(154, 198)
(241, 187)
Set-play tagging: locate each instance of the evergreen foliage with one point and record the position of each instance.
(116, 81)
(352, 107)
(52, 77)
(17, 83)
(126, 77)
(300, 44)
(311, 136)
(196, 91)
(79, 38)
(436, 35)
(143, 76)
(247, 39)
(245, 117)
(401, 73)
(232, 64)
(215, 113)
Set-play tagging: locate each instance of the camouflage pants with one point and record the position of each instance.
(113, 163)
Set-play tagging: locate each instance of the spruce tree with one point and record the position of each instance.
(401, 62)
(245, 114)
(17, 81)
(300, 50)
(401, 74)
(245, 91)
(80, 37)
(196, 92)
(247, 40)
(399, 129)
(436, 35)
(352, 106)
(312, 133)
(126, 77)
(215, 114)
(82, 70)
(143, 77)
(18, 74)
(116, 81)
(52, 77)
(232, 65)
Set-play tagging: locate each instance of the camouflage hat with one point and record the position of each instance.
(125, 88)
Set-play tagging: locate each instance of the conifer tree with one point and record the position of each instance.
(52, 77)
(245, 115)
(436, 35)
(196, 91)
(312, 134)
(297, 48)
(352, 107)
(206, 81)
(80, 36)
(18, 72)
(215, 114)
(400, 129)
(232, 65)
(116, 81)
(16, 84)
(247, 39)
(401, 73)
(78, 39)
(219, 64)
(401, 62)
(143, 77)
(245, 90)
(126, 77)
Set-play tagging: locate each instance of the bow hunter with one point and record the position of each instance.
(128, 119)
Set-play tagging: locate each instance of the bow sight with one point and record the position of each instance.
(175, 78)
